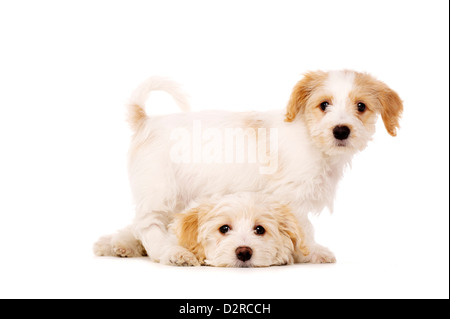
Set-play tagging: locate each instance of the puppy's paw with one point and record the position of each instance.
(323, 257)
(179, 256)
(121, 244)
(122, 251)
(127, 249)
(318, 255)
(103, 247)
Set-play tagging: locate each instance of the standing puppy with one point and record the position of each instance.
(298, 154)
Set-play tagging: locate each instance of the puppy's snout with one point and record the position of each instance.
(244, 253)
(341, 132)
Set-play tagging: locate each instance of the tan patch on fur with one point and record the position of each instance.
(312, 113)
(379, 98)
(255, 124)
(136, 116)
(289, 226)
(187, 230)
(250, 121)
(302, 92)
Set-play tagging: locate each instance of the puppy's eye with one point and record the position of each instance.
(259, 230)
(361, 107)
(224, 229)
(324, 105)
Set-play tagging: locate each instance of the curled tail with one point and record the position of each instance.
(136, 106)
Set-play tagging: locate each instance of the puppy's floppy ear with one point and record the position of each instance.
(387, 101)
(290, 227)
(186, 229)
(391, 108)
(301, 93)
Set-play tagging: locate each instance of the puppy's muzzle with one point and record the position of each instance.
(244, 253)
(341, 132)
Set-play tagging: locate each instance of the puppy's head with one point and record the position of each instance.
(340, 108)
(241, 230)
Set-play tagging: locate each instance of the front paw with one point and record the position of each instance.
(179, 256)
(318, 255)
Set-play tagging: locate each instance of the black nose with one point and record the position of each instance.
(244, 253)
(341, 132)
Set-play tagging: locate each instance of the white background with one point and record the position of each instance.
(68, 67)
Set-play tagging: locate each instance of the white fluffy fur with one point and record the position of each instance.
(310, 163)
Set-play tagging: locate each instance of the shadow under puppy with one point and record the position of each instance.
(239, 230)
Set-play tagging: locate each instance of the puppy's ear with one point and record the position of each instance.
(186, 229)
(301, 93)
(290, 227)
(386, 101)
(391, 108)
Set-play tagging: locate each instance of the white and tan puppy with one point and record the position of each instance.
(237, 230)
(297, 155)
(240, 230)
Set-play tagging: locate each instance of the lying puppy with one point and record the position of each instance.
(297, 154)
(238, 230)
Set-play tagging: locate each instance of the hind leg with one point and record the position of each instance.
(121, 244)
(155, 191)
(162, 245)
